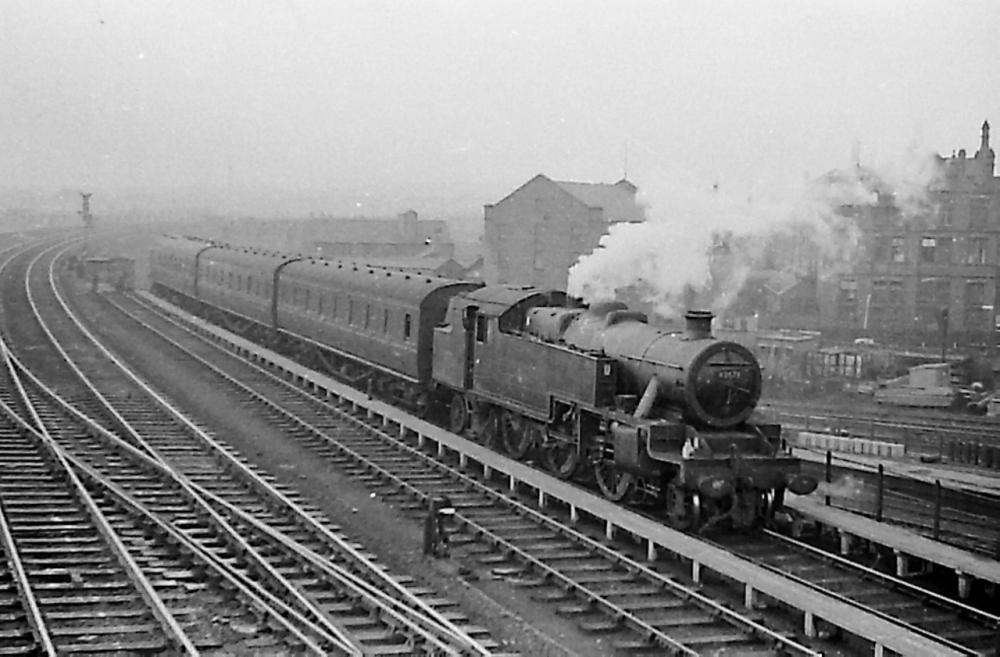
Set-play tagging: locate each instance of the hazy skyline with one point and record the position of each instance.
(471, 99)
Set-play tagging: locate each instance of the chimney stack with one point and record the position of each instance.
(698, 324)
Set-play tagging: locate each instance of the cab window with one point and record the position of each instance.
(481, 328)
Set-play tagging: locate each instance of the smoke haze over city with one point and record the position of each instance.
(356, 107)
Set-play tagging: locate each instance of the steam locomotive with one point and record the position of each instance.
(591, 392)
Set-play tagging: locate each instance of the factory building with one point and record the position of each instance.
(931, 277)
(537, 232)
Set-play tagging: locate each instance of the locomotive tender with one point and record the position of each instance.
(649, 414)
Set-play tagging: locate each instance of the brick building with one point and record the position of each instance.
(946, 259)
(537, 232)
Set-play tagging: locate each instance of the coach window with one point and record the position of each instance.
(481, 328)
(385, 320)
(407, 323)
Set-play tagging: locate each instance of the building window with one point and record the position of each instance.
(944, 250)
(897, 252)
(977, 313)
(927, 248)
(975, 253)
(880, 250)
(975, 293)
(848, 291)
(946, 211)
(979, 208)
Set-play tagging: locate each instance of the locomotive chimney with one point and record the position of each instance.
(698, 324)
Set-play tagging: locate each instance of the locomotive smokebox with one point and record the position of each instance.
(698, 324)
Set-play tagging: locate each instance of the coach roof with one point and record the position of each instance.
(385, 282)
(495, 300)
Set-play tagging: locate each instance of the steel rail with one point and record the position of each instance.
(447, 627)
(258, 597)
(171, 628)
(981, 616)
(316, 559)
(409, 603)
(401, 612)
(805, 419)
(677, 588)
(331, 626)
(35, 618)
(909, 627)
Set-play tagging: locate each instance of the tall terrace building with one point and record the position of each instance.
(536, 233)
(931, 277)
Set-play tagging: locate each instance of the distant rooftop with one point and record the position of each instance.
(616, 199)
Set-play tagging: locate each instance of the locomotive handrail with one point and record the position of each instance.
(650, 360)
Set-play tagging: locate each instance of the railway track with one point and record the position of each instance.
(318, 583)
(546, 553)
(971, 630)
(607, 591)
(928, 433)
(942, 506)
(585, 577)
(96, 573)
(967, 630)
(965, 520)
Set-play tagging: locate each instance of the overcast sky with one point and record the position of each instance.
(476, 96)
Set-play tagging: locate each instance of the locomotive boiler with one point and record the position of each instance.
(682, 422)
(714, 383)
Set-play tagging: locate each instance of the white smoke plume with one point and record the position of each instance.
(698, 248)
(846, 486)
